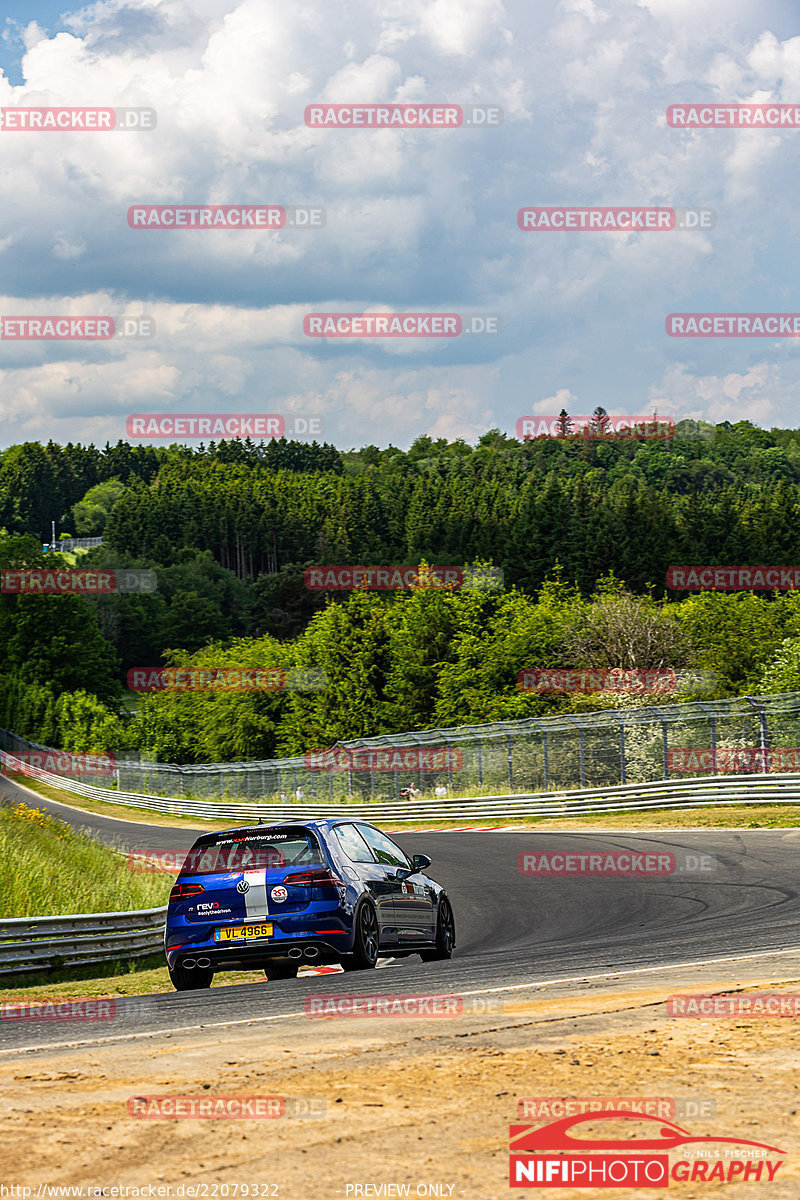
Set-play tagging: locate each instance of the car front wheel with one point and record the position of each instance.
(365, 942)
(445, 934)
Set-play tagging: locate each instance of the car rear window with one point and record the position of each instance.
(250, 852)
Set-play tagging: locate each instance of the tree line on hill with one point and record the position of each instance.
(230, 529)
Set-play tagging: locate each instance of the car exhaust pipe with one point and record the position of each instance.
(295, 952)
(189, 963)
(311, 951)
(204, 962)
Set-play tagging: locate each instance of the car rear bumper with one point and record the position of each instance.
(305, 950)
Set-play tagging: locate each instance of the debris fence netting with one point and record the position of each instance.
(748, 735)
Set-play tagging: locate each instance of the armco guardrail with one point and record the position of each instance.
(694, 793)
(40, 943)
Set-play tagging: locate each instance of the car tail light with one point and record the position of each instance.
(182, 891)
(319, 877)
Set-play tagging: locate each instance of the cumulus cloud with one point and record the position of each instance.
(416, 220)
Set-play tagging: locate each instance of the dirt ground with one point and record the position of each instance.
(411, 1101)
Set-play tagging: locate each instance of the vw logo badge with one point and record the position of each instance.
(243, 886)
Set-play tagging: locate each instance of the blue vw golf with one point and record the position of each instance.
(299, 892)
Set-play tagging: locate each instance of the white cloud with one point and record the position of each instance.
(552, 405)
(755, 395)
(417, 221)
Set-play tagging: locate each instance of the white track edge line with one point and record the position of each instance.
(475, 992)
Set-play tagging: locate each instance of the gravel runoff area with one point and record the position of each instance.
(421, 1102)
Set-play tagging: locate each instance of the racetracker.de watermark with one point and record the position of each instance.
(733, 116)
(559, 218)
(76, 329)
(56, 762)
(223, 425)
(236, 1108)
(613, 862)
(752, 1004)
(745, 760)
(393, 758)
(83, 1008)
(61, 120)
(156, 860)
(733, 579)
(225, 679)
(733, 325)
(401, 325)
(226, 216)
(400, 1005)
(403, 116)
(171, 860)
(402, 578)
(603, 428)
(550, 1108)
(90, 1009)
(68, 581)
(584, 679)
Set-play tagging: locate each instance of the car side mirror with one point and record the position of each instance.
(418, 863)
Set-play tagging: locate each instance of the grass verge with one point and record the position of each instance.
(140, 977)
(49, 868)
(120, 811)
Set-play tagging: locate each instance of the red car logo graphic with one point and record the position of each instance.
(526, 1139)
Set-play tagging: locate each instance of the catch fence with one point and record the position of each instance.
(621, 746)
(67, 545)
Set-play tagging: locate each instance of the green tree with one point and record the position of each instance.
(92, 512)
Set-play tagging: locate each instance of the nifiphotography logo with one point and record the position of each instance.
(559, 1155)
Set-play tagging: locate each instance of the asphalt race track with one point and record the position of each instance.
(512, 928)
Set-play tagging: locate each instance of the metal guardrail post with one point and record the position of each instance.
(763, 732)
(582, 759)
(543, 730)
(622, 765)
(449, 745)
(665, 739)
(712, 721)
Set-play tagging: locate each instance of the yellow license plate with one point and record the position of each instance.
(242, 933)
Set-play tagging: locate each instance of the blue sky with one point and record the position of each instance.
(416, 220)
(14, 19)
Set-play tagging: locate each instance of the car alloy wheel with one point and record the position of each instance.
(366, 942)
(445, 934)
